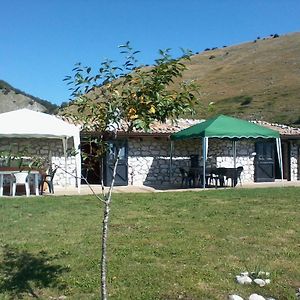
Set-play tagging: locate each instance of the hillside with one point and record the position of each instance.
(12, 99)
(255, 80)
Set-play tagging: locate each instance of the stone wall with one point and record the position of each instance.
(295, 161)
(149, 159)
(221, 152)
(49, 148)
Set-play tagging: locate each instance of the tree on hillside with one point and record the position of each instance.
(126, 98)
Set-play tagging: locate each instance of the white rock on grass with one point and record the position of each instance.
(243, 279)
(260, 282)
(235, 297)
(256, 297)
(268, 281)
(263, 273)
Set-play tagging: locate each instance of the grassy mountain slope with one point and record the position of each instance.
(12, 99)
(255, 80)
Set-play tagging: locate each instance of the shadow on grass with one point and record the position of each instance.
(21, 272)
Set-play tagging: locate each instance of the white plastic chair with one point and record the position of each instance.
(19, 178)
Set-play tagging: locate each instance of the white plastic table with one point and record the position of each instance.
(9, 172)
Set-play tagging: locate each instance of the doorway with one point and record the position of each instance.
(98, 164)
(91, 162)
(286, 162)
(264, 161)
(115, 147)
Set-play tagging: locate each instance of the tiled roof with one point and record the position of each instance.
(180, 124)
(174, 126)
(170, 127)
(283, 129)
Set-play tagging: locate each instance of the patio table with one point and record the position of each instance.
(219, 174)
(10, 171)
(196, 174)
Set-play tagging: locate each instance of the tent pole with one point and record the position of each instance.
(64, 141)
(279, 153)
(234, 153)
(204, 153)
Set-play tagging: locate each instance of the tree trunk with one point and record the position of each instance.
(105, 223)
(104, 249)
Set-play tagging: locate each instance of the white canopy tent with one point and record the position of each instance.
(25, 123)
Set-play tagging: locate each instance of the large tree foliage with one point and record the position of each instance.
(127, 97)
(130, 96)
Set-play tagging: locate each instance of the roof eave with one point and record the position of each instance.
(290, 136)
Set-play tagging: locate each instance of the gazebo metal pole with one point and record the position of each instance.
(234, 153)
(64, 140)
(279, 153)
(204, 153)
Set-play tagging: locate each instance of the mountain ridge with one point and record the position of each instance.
(12, 98)
(255, 80)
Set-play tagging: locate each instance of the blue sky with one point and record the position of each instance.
(41, 41)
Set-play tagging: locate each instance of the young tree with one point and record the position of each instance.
(126, 98)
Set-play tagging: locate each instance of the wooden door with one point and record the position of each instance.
(121, 178)
(265, 161)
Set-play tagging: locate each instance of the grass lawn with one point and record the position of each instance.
(185, 245)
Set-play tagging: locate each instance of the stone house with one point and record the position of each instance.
(145, 157)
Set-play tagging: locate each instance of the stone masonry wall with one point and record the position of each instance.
(295, 161)
(149, 159)
(49, 148)
(222, 152)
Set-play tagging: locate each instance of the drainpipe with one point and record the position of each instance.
(171, 161)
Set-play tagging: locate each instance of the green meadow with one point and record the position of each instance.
(184, 245)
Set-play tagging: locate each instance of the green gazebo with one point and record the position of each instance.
(226, 127)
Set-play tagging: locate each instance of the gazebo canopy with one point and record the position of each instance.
(26, 123)
(225, 127)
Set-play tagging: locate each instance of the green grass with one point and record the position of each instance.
(185, 245)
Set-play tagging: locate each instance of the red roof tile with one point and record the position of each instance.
(174, 126)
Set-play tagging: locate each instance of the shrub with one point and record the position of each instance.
(247, 100)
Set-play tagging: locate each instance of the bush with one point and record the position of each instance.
(297, 121)
(247, 100)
